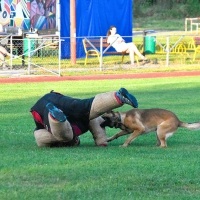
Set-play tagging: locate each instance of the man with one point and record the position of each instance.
(3, 54)
(61, 119)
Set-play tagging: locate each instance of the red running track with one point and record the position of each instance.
(26, 79)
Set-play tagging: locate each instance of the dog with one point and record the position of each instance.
(140, 121)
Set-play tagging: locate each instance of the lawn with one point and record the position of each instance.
(141, 171)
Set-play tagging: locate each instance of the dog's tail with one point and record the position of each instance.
(190, 126)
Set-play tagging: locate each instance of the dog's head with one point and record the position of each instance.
(112, 120)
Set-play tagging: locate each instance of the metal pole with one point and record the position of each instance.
(11, 51)
(167, 50)
(29, 56)
(73, 30)
(59, 40)
(144, 36)
(101, 53)
(185, 24)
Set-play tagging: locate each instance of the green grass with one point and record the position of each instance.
(158, 24)
(141, 171)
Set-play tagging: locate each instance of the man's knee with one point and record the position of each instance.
(62, 131)
(44, 138)
(99, 133)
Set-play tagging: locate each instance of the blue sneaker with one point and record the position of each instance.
(56, 113)
(127, 98)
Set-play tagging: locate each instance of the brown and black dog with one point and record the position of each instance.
(140, 121)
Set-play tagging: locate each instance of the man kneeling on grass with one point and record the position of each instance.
(61, 119)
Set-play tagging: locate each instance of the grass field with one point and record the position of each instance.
(141, 171)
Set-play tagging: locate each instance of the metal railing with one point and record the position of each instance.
(47, 55)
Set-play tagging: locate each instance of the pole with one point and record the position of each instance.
(73, 31)
(144, 37)
(59, 39)
(29, 56)
(101, 53)
(168, 51)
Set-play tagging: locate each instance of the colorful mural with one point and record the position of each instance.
(15, 13)
(43, 14)
(26, 14)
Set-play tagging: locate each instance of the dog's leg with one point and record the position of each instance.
(117, 135)
(163, 143)
(133, 136)
(161, 138)
(158, 140)
(164, 131)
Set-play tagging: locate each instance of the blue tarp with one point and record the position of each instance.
(93, 18)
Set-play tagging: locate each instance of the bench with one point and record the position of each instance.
(92, 48)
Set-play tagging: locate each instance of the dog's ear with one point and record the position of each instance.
(107, 120)
(108, 114)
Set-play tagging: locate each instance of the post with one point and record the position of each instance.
(168, 51)
(29, 56)
(73, 31)
(144, 36)
(59, 40)
(11, 51)
(186, 24)
(101, 53)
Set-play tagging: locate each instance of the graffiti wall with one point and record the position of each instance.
(15, 13)
(43, 14)
(26, 14)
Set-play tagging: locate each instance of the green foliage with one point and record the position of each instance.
(193, 8)
(164, 11)
(141, 171)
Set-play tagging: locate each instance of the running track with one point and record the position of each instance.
(26, 79)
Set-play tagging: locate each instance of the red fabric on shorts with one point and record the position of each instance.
(37, 117)
(76, 130)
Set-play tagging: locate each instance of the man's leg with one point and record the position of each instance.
(60, 127)
(4, 51)
(108, 101)
(44, 138)
(99, 133)
(62, 131)
(2, 58)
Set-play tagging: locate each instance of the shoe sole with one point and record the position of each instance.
(56, 113)
(129, 96)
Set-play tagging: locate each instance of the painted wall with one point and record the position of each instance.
(43, 14)
(15, 13)
(39, 14)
